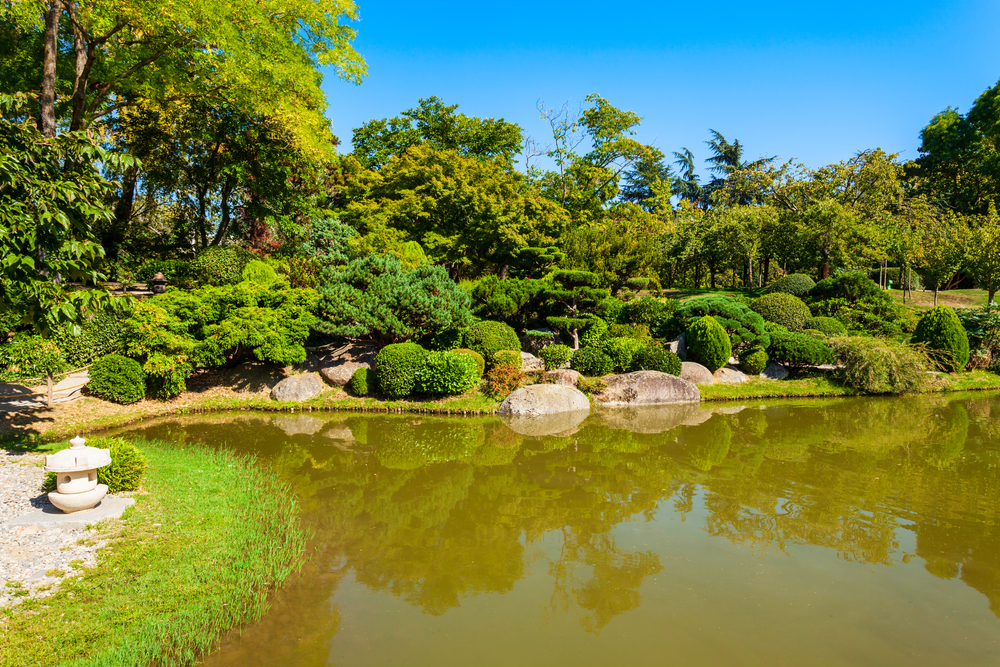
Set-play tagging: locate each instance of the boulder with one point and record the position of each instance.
(298, 388)
(544, 399)
(729, 375)
(696, 373)
(340, 374)
(678, 347)
(559, 424)
(530, 362)
(298, 424)
(649, 418)
(564, 376)
(774, 372)
(646, 388)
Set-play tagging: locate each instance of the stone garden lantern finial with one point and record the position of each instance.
(76, 476)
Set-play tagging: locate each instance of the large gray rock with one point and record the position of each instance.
(774, 372)
(696, 373)
(649, 418)
(564, 376)
(298, 388)
(679, 347)
(729, 375)
(530, 362)
(544, 399)
(340, 374)
(646, 388)
(560, 424)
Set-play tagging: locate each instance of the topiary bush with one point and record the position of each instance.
(396, 368)
(555, 356)
(637, 284)
(478, 358)
(796, 284)
(507, 358)
(610, 309)
(621, 351)
(29, 356)
(754, 362)
(260, 273)
(879, 316)
(881, 366)
(221, 265)
(591, 361)
(363, 382)
(782, 308)
(772, 328)
(656, 359)
(656, 313)
(446, 373)
(830, 326)
(940, 330)
(798, 350)
(744, 326)
(502, 380)
(596, 333)
(487, 338)
(117, 379)
(708, 343)
(128, 465)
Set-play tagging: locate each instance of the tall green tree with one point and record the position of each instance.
(576, 292)
(984, 254)
(943, 249)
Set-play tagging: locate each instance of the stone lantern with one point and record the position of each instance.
(158, 283)
(76, 476)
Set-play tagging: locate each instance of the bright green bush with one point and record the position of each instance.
(446, 373)
(940, 330)
(259, 272)
(128, 465)
(397, 367)
(610, 309)
(555, 356)
(118, 379)
(772, 328)
(880, 365)
(363, 382)
(507, 358)
(796, 284)
(708, 343)
(798, 350)
(744, 326)
(478, 358)
(656, 359)
(828, 325)
(487, 338)
(596, 333)
(29, 356)
(785, 309)
(655, 313)
(220, 265)
(621, 351)
(754, 362)
(591, 361)
(637, 284)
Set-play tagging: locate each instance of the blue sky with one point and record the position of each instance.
(816, 81)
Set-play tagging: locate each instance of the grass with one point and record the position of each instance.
(759, 388)
(197, 555)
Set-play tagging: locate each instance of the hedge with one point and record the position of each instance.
(487, 338)
(396, 368)
(708, 343)
(940, 330)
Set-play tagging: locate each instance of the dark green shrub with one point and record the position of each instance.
(363, 382)
(591, 361)
(98, 337)
(508, 299)
(127, 468)
(447, 373)
(118, 379)
(449, 339)
(656, 359)
(655, 313)
(754, 362)
(621, 351)
(555, 356)
(880, 315)
(708, 343)
(785, 309)
(596, 333)
(796, 284)
(852, 286)
(507, 358)
(221, 265)
(396, 368)
(881, 366)
(29, 356)
(502, 380)
(610, 309)
(487, 338)
(828, 325)
(745, 327)
(798, 350)
(478, 358)
(941, 330)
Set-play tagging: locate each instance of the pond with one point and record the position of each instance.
(846, 532)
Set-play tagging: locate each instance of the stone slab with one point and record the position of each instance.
(50, 517)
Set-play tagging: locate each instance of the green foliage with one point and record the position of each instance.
(446, 373)
(785, 309)
(982, 325)
(637, 331)
(815, 333)
(796, 284)
(656, 313)
(881, 366)
(596, 333)
(397, 366)
(610, 309)
(708, 343)
(178, 272)
(653, 358)
(487, 338)
(941, 330)
(555, 356)
(851, 285)
(363, 382)
(772, 328)
(448, 339)
(259, 273)
(507, 358)
(502, 380)
(327, 241)
(828, 325)
(858, 302)
(799, 350)
(575, 292)
(118, 379)
(478, 358)
(637, 284)
(128, 465)
(754, 362)
(29, 356)
(591, 361)
(745, 327)
(221, 265)
(510, 300)
(621, 351)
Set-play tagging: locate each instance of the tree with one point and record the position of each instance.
(686, 184)
(984, 254)
(576, 292)
(649, 182)
(727, 159)
(944, 248)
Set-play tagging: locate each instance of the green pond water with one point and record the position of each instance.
(847, 532)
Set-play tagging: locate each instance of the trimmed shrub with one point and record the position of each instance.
(878, 315)
(502, 380)
(447, 373)
(591, 361)
(940, 330)
(744, 326)
(259, 273)
(815, 333)
(596, 333)
(830, 326)
(449, 339)
(637, 331)
(637, 284)
(881, 366)
(796, 284)
(118, 379)
(785, 309)
(754, 362)
(852, 286)
(708, 343)
(478, 358)
(773, 327)
(656, 359)
(397, 366)
(221, 265)
(28, 357)
(655, 313)
(487, 338)
(610, 309)
(555, 356)
(363, 382)
(621, 351)
(128, 465)
(798, 350)
(507, 358)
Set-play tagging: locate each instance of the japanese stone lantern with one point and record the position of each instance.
(158, 284)
(76, 476)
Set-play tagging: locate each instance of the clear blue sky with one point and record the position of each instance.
(816, 81)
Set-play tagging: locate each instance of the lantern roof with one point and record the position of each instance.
(78, 457)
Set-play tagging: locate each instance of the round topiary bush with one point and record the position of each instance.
(396, 368)
(744, 326)
(362, 382)
(796, 284)
(478, 358)
(621, 351)
(798, 350)
(487, 338)
(555, 356)
(656, 359)
(940, 330)
(708, 343)
(259, 273)
(507, 358)
(221, 265)
(446, 373)
(754, 362)
(782, 308)
(127, 468)
(117, 379)
(591, 361)
(831, 326)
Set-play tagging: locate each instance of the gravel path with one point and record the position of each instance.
(33, 559)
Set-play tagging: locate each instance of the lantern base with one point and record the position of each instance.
(78, 502)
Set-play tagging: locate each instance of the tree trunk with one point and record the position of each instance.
(824, 269)
(766, 271)
(989, 300)
(504, 270)
(50, 51)
(227, 191)
(48, 392)
(576, 339)
(935, 294)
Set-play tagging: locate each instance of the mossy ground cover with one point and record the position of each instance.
(212, 536)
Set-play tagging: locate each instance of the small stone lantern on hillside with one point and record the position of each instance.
(158, 283)
(76, 476)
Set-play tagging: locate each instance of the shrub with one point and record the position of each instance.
(828, 325)
(708, 343)
(610, 309)
(487, 338)
(591, 361)
(478, 358)
(814, 333)
(745, 327)
(555, 356)
(596, 333)
(178, 272)
(127, 468)
(785, 309)
(656, 359)
(798, 350)
(446, 373)
(118, 379)
(637, 331)
(879, 315)
(653, 312)
(754, 362)
(621, 351)
(449, 339)
(940, 330)
(220, 265)
(881, 366)
(260, 273)
(97, 337)
(29, 356)
(773, 327)
(502, 380)
(507, 358)
(796, 284)
(852, 286)
(363, 382)
(396, 368)
(637, 284)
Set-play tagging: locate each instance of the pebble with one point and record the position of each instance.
(29, 553)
